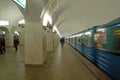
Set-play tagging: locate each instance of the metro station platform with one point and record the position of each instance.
(63, 64)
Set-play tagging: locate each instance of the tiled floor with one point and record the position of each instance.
(63, 64)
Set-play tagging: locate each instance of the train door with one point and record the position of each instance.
(117, 39)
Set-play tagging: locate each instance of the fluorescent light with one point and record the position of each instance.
(103, 29)
(72, 36)
(80, 34)
(77, 35)
(3, 32)
(55, 29)
(42, 13)
(47, 18)
(4, 23)
(22, 3)
(16, 33)
(22, 21)
(87, 33)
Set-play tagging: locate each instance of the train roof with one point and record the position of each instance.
(111, 23)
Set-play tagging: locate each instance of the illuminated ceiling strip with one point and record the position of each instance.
(3, 32)
(103, 29)
(4, 23)
(87, 33)
(16, 32)
(47, 18)
(55, 29)
(22, 21)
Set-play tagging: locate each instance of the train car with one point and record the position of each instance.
(89, 45)
(107, 39)
(101, 45)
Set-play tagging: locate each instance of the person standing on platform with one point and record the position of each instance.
(62, 41)
(16, 42)
(3, 44)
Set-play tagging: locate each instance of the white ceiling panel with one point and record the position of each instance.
(70, 16)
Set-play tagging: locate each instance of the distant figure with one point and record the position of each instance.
(16, 42)
(3, 44)
(62, 41)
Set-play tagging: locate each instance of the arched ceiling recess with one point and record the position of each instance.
(36, 8)
(4, 29)
(10, 12)
(33, 10)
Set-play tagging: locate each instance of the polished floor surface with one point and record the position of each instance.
(63, 64)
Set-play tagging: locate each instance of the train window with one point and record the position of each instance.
(78, 40)
(100, 38)
(73, 40)
(88, 38)
(83, 39)
(70, 40)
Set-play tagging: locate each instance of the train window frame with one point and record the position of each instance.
(88, 38)
(100, 38)
(78, 39)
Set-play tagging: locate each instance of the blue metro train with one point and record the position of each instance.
(101, 46)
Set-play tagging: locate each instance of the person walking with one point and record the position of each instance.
(16, 42)
(3, 45)
(62, 41)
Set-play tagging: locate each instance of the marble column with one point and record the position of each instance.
(49, 40)
(35, 44)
